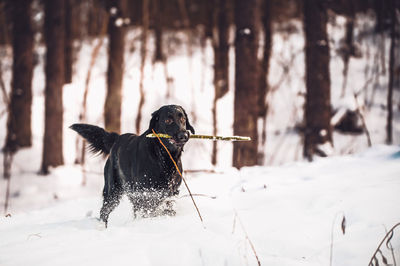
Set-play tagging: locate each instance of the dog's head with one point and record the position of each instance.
(172, 120)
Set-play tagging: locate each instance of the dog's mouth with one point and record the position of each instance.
(177, 143)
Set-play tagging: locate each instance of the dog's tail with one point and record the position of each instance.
(99, 140)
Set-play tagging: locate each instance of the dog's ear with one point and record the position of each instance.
(188, 125)
(154, 119)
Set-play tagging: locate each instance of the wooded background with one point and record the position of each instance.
(57, 25)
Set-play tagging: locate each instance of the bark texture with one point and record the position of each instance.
(54, 70)
(246, 82)
(19, 132)
(221, 62)
(318, 105)
(115, 70)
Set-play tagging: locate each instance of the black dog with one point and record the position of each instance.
(139, 166)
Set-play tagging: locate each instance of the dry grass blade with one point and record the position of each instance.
(237, 218)
(388, 236)
(344, 225)
(184, 181)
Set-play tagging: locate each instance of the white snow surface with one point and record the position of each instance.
(288, 213)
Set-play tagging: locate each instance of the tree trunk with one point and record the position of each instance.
(19, 132)
(158, 26)
(143, 55)
(389, 124)
(69, 57)
(246, 82)
(264, 70)
(348, 46)
(53, 132)
(318, 130)
(379, 7)
(116, 48)
(95, 17)
(221, 62)
(4, 23)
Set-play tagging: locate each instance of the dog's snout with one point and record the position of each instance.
(183, 136)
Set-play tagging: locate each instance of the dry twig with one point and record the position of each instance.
(184, 181)
(194, 136)
(388, 236)
(237, 218)
(358, 110)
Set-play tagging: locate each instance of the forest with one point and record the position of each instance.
(244, 28)
(306, 80)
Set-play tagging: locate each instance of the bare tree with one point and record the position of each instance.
(348, 48)
(19, 132)
(389, 124)
(143, 55)
(318, 130)
(158, 29)
(69, 5)
(246, 81)
(54, 70)
(221, 61)
(4, 23)
(264, 70)
(116, 48)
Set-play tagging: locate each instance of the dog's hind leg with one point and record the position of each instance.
(137, 202)
(112, 192)
(109, 203)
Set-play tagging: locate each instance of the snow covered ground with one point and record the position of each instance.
(288, 213)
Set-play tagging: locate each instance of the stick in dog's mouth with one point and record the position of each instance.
(229, 138)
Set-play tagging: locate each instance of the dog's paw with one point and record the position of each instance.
(101, 225)
(169, 212)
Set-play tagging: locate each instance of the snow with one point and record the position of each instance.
(119, 22)
(288, 207)
(288, 213)
(113, 10)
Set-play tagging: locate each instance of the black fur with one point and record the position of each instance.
(99, 140)
(139, 166)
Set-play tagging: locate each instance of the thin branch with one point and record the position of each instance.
(82, 115)
(208, 171)
(364, 125)
(3, 87)
(199, 195)
(390, 247)
(184, 181)
(234, 224)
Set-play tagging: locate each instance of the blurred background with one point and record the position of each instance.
(303, 79)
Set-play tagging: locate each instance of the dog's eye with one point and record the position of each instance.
(182, 118)
(168, 121)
